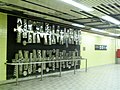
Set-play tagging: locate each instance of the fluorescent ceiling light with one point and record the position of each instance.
(78, 5)
(117, 29)
(113, 34)
(78, 25)
(98, 30)
(111, 19)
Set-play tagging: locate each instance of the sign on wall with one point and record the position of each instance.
(100, 47)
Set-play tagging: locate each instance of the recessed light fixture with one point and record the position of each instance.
(78, 25)
(98, 30)
(78, 5)
(111, 19)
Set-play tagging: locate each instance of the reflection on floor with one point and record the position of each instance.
(105, 77)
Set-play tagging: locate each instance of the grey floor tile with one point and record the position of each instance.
(105, 77)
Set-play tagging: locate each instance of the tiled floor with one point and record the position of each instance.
(98, 78)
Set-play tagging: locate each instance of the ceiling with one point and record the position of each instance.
(59, 11)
